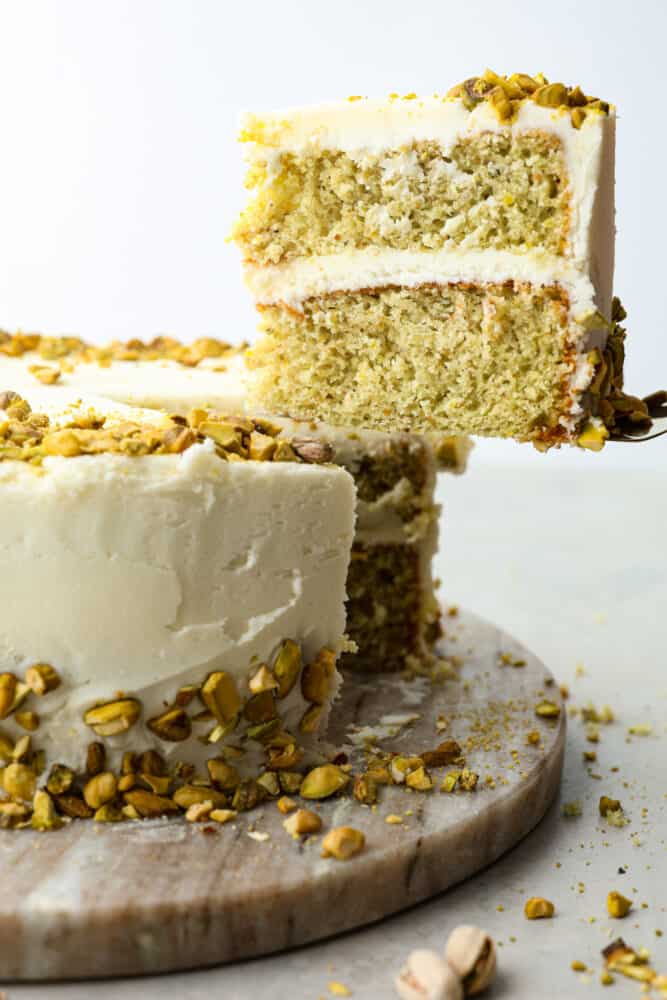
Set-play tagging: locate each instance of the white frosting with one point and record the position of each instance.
(364, 127)
(141, 574)
(177, 389)
(374, 267)
(360, 128)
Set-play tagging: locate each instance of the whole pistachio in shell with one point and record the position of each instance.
(472, 954)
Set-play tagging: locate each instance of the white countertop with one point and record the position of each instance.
(570, 557)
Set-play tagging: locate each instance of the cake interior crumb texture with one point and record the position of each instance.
(481, 359)
(493, 190)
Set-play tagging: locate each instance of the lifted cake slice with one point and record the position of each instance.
(437, 264)
(177, 607)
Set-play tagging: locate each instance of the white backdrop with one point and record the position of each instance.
(120, 173)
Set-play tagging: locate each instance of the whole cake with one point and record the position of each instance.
(439, 263)
(392, 612)
(177, 598)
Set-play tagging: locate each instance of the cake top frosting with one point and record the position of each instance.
(507, 99)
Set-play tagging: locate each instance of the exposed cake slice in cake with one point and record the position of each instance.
(176, 611)
(439, 263)
(392, 611)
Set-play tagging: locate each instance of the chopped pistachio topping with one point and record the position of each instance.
(30, 437)
(114, 717)
(324, 781)
(506, 94)
(72, 350)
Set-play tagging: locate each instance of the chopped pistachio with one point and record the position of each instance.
(538, 908)
(317, 677)
(187, 795)
(44, 815)
(186, 694)
(261, 447)
(27, 720)
(310, 720)
(222, 774)
(269, 783)
(287, 667)
(343, 842)
(73, 806)
(12, 814)
(96, 757)
(365, 789)
(100, 789)
(151, 762)
(148, 804)
(199, 811)
(260, 707)
(42, 678)
(262, 680)
(19, 781)
(468, 780)
(22, 749)
(400, 767)
(172, 726)
(285, 804)
(8, 684)
(302, 822)
(223, 815)
(547, 710)
(158, 783)
(607, 805)
(247, 795)
(113, 717)
(110, 812)
(450, 781)
(290, 781)
(323, 781)
(617, 905)
(6, 748)
(447, 752)
(420, 780)
(313, 450)
(60, 779)
(220, 696)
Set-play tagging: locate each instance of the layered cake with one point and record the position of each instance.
(177, 598)
(439, 263)
(392, 611)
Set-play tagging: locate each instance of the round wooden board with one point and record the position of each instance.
(96, 900)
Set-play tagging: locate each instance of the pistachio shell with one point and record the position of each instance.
(471, 953)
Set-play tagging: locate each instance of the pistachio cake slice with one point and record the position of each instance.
(392, 611)
(440, 263)
(176, 613)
